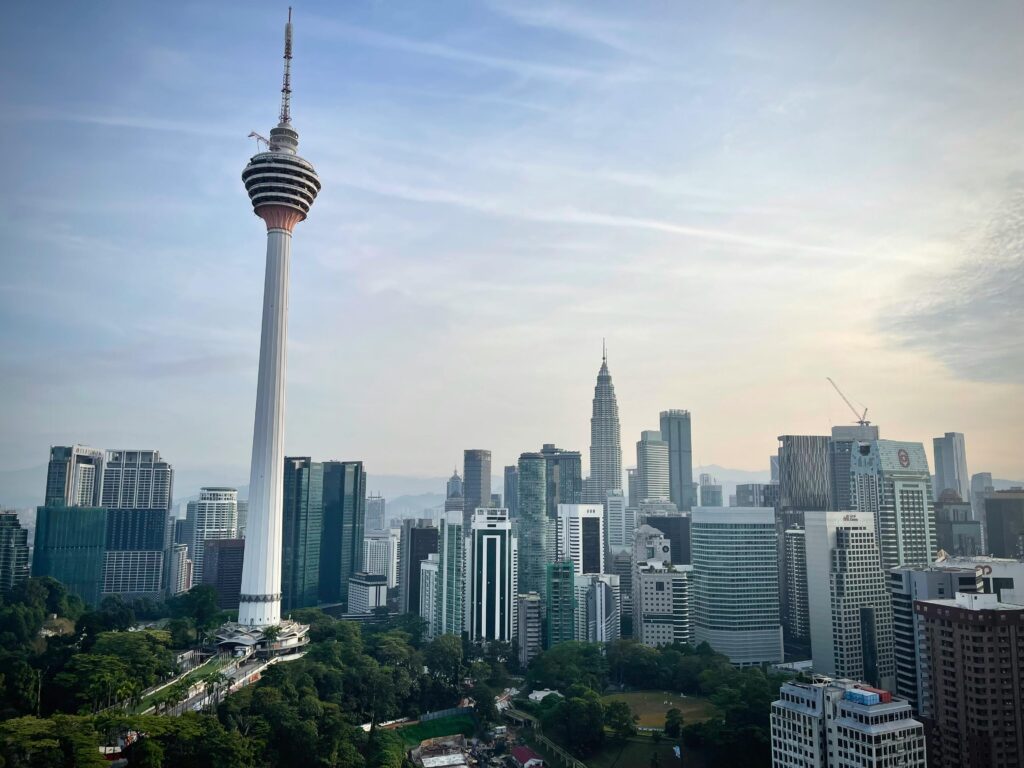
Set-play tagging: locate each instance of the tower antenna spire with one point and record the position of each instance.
(286, 88)
(604, 351)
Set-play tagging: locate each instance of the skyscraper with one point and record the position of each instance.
(223, 570)
(605, 441)
(492, 576)
(530, 612)
(429, 593)
(796, 618)
(511, 490)
(1004, 523)
(536, 530)
(597, 608)
(302, 530)
(632, 492)
(891, 481)
(757, 494)
(560, 588)
(660, 601)
(476, 483)
(69, 546)
(956, 530)
(710, 491)
(676, 528)
(675, 430)
(344, 516)
(735, 594)
(580, 537)
(841, 446)
(951, 465)
(619, 522)
(803, 472)
(981, 485)
(380, 556)
(137, 480)
(451, 580)
(849, 605)
(652, 466)
(213, 516)
(419, 539)
(13, 552)
(282, 187)
(376, 507)
(74, 476)
(563, 473)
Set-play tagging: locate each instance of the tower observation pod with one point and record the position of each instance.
(282, 187)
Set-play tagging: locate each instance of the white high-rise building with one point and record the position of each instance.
(492, 570)
(652, 466)
(597, 608)
(213, 516)
(847, 598)
(619, 522)
(660, 592)
(890, 480)
(735, 594)
(74, 476)
(380, 556)
(376, 507)
(580, 537)
(951, 466)
(136, 480)
(429, 608)
(843, 724)
(282, 187)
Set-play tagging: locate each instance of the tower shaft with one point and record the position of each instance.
(260, 599)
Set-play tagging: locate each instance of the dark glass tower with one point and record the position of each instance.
(302, 529)
(476, 483)
(69, 546)
(535, 528)
(344, 515)
(564, 474)
(675, 430)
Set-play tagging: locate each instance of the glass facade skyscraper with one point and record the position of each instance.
(535, 528)
(476, 483)
(302, 528)
(675, 430)
(69, 546)
(344, 522)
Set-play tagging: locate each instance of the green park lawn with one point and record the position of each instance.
(638, 751)
(443, 726)
(650, 706)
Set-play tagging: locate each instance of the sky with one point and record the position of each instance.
(741, 197)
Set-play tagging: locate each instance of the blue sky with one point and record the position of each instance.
(743, 198)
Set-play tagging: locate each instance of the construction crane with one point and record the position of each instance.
(862, 418)
(254, 135)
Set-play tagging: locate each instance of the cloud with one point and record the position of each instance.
(971, 317)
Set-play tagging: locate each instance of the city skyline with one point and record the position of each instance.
(665, 249)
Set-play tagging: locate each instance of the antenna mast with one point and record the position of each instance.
(286, 88)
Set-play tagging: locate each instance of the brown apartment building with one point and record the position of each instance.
(973, 663)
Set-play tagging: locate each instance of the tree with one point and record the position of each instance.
(200, 605)
(483, 696)
(673, 723)
(444, 658)
(620, 719)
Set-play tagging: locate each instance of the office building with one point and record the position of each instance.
(74, 477)
(956, 530)
(213, 516)
(366, 592)
(563, 473)
(841, 447)
(536, 530)
(344, 528)
(981, 486)
(710, 491)
(632, 489)
(908, 584)
(735, 594)
(302, 529)
(184, 530)
(561, 603)
(492, 566)
(849, 605)
(418, 540)
(13, 552)
(796, 618)
(1000, 576)
(530, 611)
(773, 469)
(757, 495)
(1004, 523)
(224, 558)
(430, 609)
(843, 724)
(380, 556)
(282, 187)
(652, 466)
(597, 608)
(376, 513)
(973, 651)
(511, 490)
(950, 455)
(451, 583)
(180, 574)
(891, 481)
(803, 472)
(136, 480)
(476, 483)
(660, 599)
(69, 546)
(675, 430)
(580, 537)
(619, 522)
(676, 528)
(136, 548)
(605, 439)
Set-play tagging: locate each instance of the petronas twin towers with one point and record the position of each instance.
(605, 443)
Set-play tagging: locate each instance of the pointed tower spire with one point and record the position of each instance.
(286, 87)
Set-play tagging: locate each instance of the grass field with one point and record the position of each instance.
(650, 706)
(637, 753)
(444, 726)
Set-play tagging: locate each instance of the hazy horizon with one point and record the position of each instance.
(742, 199)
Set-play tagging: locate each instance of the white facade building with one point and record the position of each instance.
(735, 595)
(365, 592)
(660, 592)
(213, 516)
(842, 724)
(429, 608)
(848, 601)
(580, 537)
(597, 608)
(530, 616)
(492, 570)
(619, 522)
(380, 556)
(652, 466)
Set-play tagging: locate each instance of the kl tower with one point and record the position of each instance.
(282, 187)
